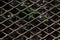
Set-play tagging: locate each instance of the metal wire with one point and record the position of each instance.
(30, 20)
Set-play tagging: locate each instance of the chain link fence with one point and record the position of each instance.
(29, 19)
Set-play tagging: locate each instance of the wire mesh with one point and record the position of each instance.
(29, 19)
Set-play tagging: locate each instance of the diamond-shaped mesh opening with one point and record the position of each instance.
(42, 34)
(28, 26)
(35, 6)
(14, 3)
(7, 32)
(49, 22)
(55, 18)
(2, 27)
(14, 26)
(55, 2)
(7, 15)
(48, 14)
(7, 38)
(48, 6)
(28, 34)
(21, 22)
(21, 6)
(21, 14)
(55, 10)
(2, 34)
(42, 18)
(14, 34)
(21, 30)
(7, 7)
(56, 34)
(49, 37)
(35, 22)
(29, 19)
(7, 23)
(28, 2)
(35, 30)
(34, 14)
(42, 26)
(42, 2)
(41, 10)
(15, 18)
(28, 10)
(48, 30)
(14, 11)
(55, 26)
